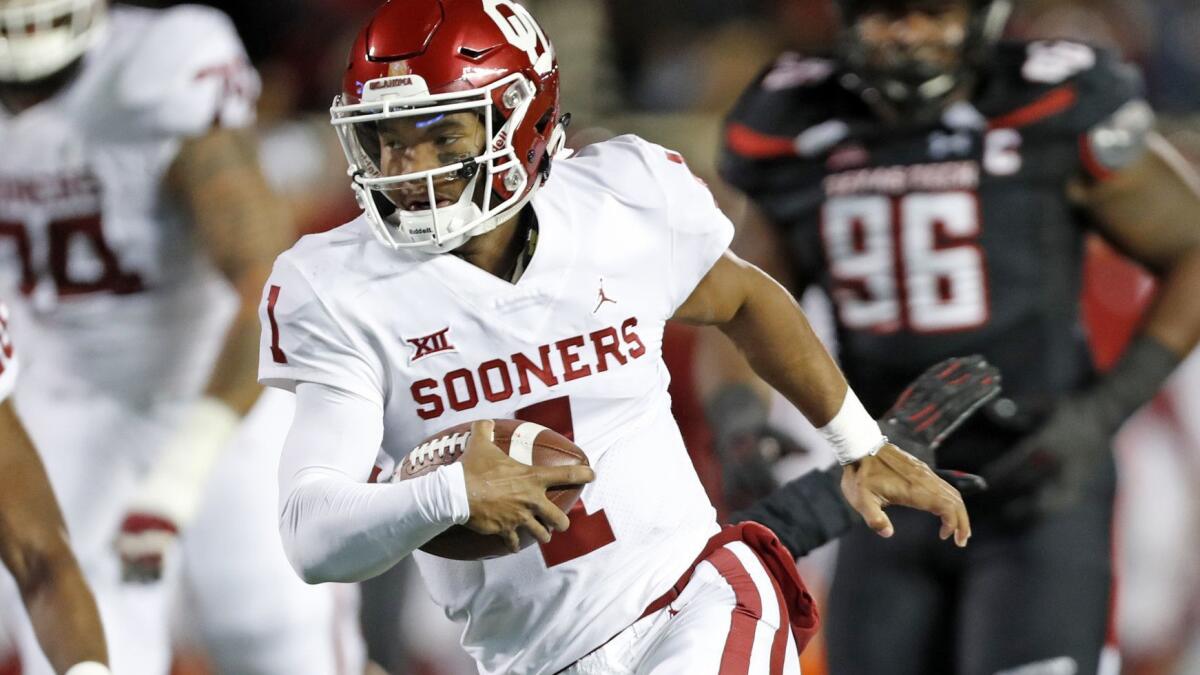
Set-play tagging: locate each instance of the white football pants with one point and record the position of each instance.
(729, 619)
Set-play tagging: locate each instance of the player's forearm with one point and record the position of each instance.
(218, 178)
(174, 487)
(57, 599)
(34, 548)
(772, 332)
(335, 525)
(337, 530)
(63, 612)
(234, 378)
(1171, 331)
(1174, 320)
(242, 227)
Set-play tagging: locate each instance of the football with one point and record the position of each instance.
(525, 442)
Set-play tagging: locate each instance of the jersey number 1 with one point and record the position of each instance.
(910, 262)
(588, 531)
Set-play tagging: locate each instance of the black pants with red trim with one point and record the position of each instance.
(1038, 593)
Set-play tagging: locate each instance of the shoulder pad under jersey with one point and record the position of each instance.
(189, 74)
(1056, 87)
(639, 173)
(309, 334)
(676, 216)
(795, 110)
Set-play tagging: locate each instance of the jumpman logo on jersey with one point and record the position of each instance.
(603, 298)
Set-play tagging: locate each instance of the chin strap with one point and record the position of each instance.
(529, 223)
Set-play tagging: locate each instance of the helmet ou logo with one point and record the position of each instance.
(522, 32)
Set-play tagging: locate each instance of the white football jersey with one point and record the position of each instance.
(625, 234)
(8, 357)
(120, 296)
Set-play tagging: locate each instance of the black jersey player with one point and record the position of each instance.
(939, 184)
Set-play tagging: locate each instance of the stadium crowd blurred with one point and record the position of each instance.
(669, 70)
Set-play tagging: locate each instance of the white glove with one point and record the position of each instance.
(170, 496)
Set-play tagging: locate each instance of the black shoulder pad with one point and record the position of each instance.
(788, 96)
(794, 95)
(1057, 87)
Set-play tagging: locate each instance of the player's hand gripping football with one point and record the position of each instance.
(505, 495)
(927, 411)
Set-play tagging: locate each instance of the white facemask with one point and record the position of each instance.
(438, 230)
(62, 30)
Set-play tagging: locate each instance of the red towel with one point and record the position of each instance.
(802, 611)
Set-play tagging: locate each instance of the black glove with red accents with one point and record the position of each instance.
(810, 511)
(939, 401)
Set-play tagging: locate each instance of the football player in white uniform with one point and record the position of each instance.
(33, 542)
(136, 225)
(478, 284)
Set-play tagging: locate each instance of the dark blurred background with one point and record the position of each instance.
(669, 70)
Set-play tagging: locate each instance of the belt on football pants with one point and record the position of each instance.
(802, 610)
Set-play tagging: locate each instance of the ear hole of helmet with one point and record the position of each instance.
(543, 124)
(383, 204)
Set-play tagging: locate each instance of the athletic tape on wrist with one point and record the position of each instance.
(852, 432)
(89, 668)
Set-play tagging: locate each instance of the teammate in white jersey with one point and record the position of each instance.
(137, 227)
(33, 542)
(479, 284)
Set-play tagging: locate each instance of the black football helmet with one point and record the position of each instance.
(908, 85)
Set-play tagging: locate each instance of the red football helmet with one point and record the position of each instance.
(421, 58)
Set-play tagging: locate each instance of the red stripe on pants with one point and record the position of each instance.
(779, 646)
(746, 612)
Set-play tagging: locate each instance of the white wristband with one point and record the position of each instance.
(852, 432)
(89, 668)
(175, 484)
